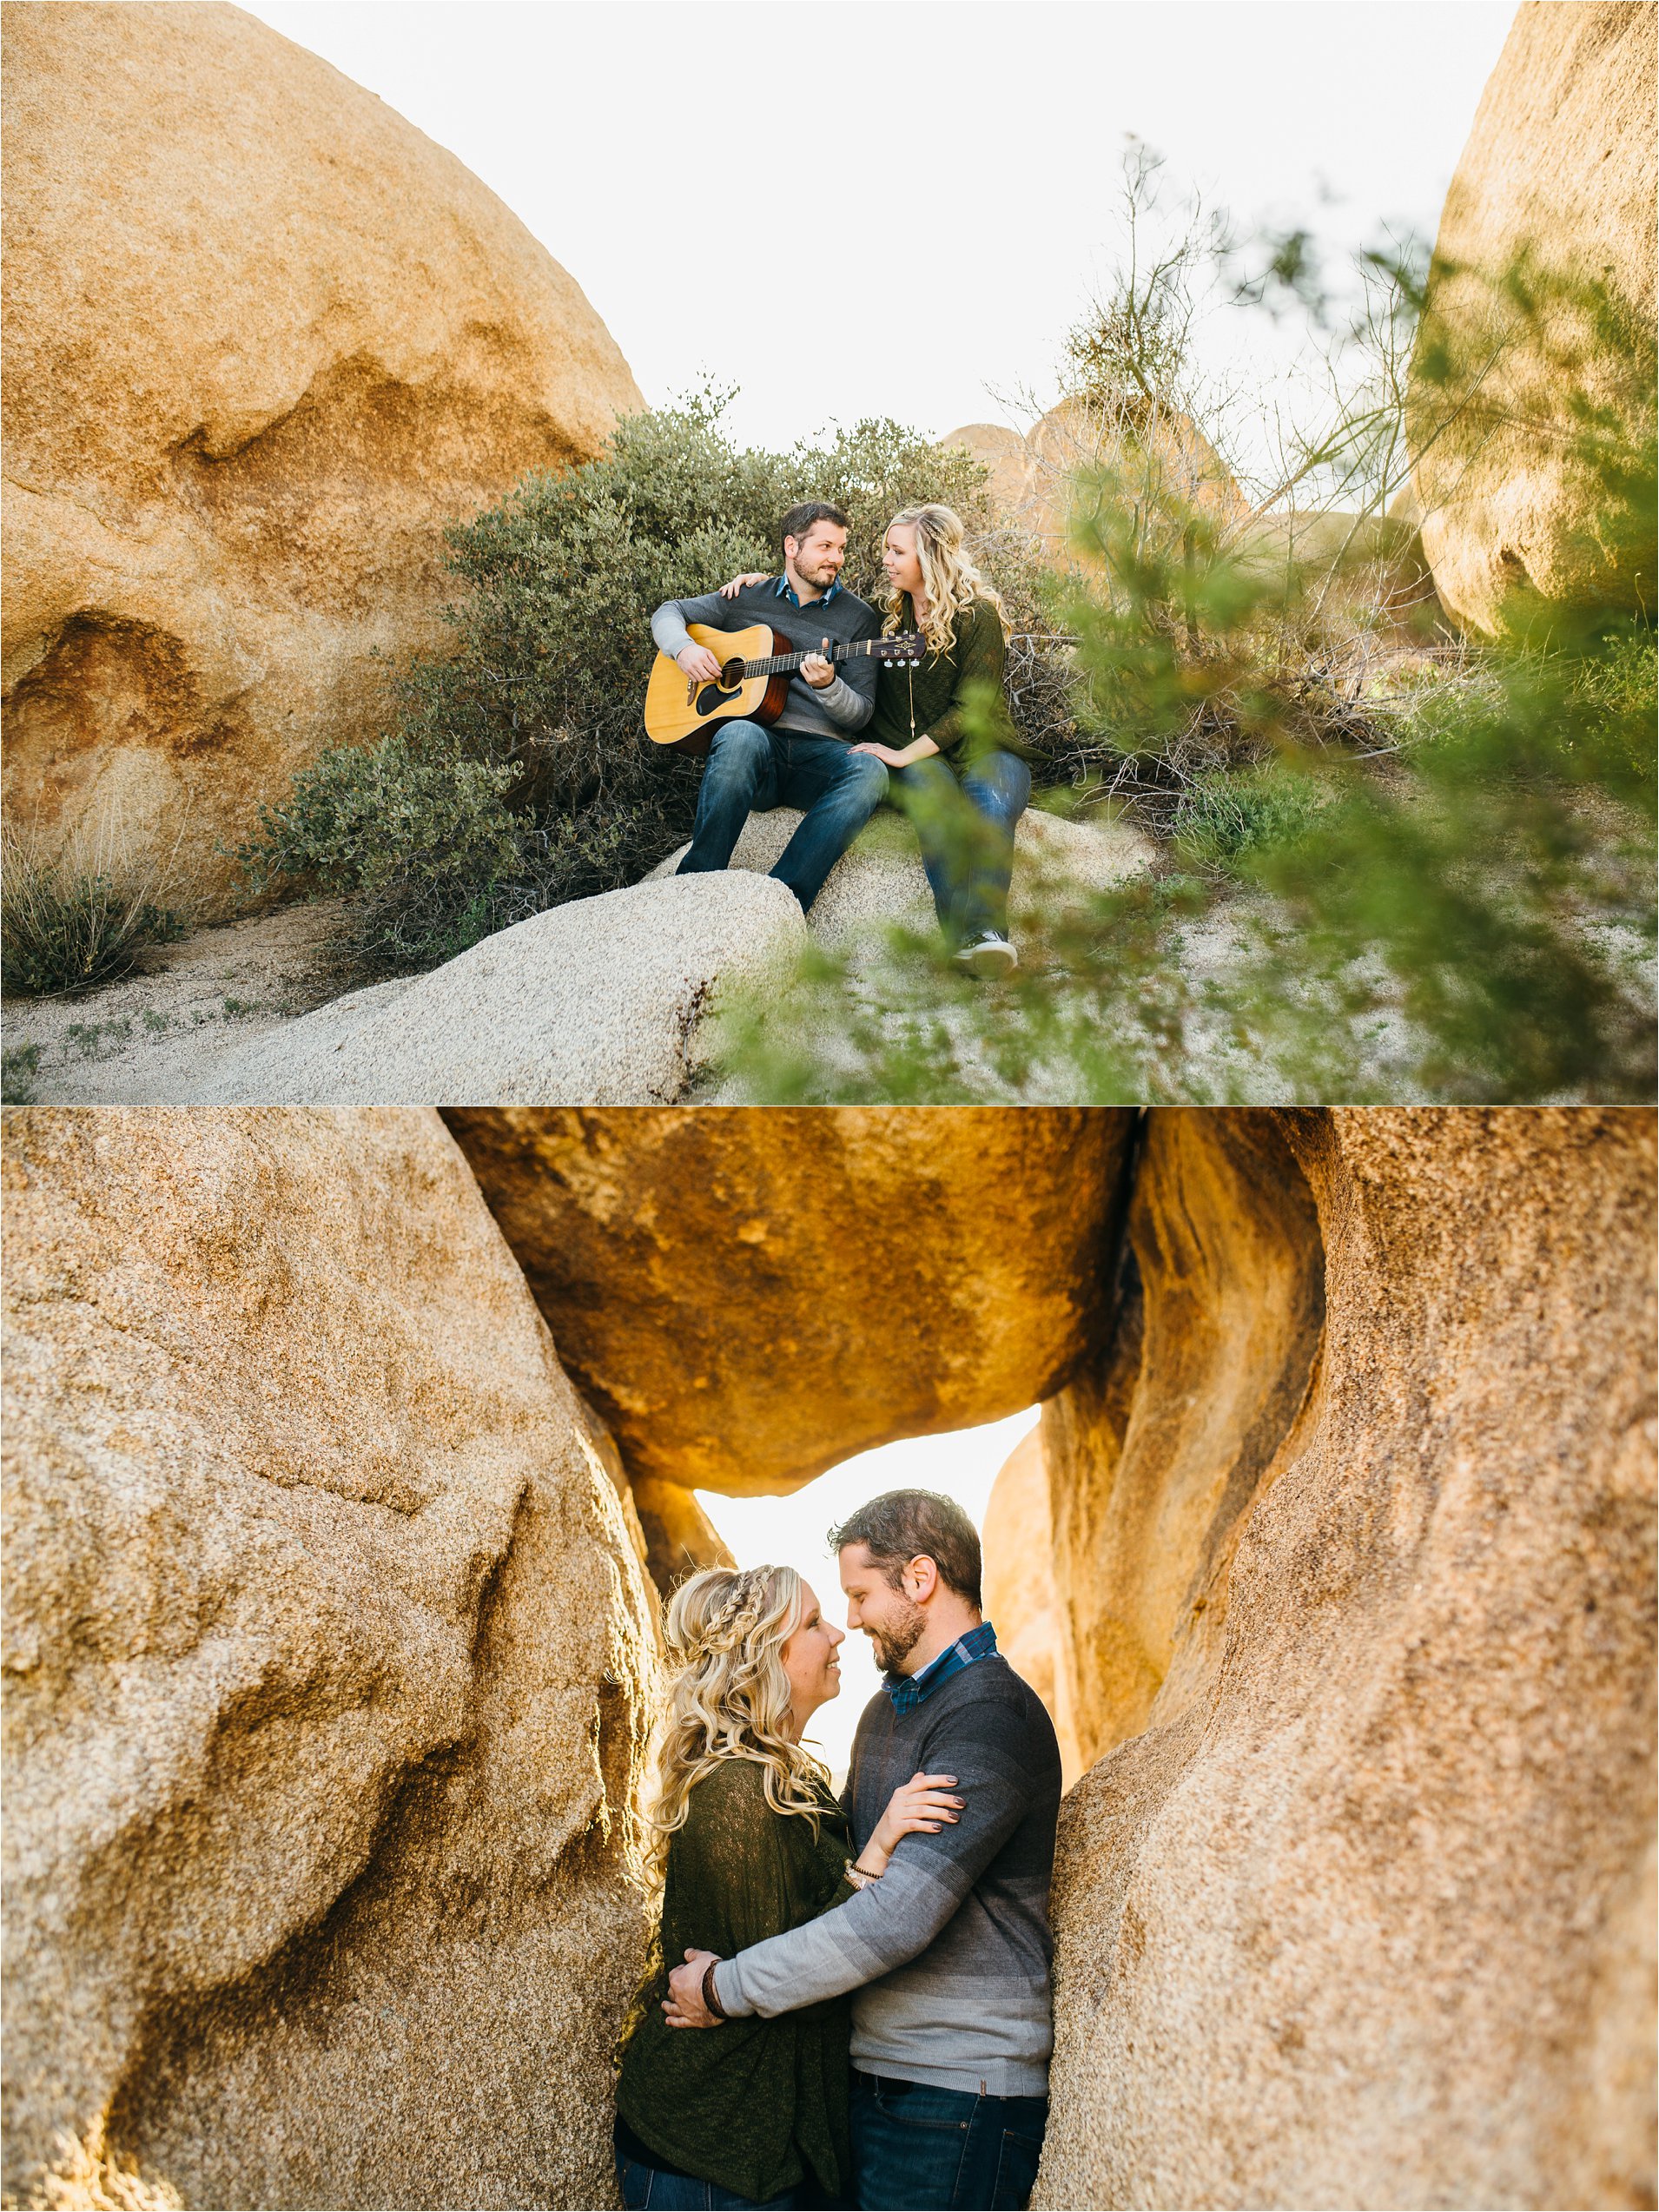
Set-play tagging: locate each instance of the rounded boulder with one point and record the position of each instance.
(263, 340)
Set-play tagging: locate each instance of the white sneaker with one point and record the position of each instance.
(990, 956)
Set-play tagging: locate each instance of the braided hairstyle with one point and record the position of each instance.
(728, 1694)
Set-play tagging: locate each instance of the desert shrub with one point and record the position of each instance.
(519, 774)
(422, 846)
(1221, 817)
(77, 918)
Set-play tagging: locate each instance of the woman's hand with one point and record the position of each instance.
(920, 1806)
(738, 583)
(885, 754)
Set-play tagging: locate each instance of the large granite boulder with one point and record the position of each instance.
(749, 1297)
(1005, 455)
(263, 340)
(1357, 1908)
(598, 1003)
(879, 880)
(1539, 320)
(1088, 459)
(1046, 482)
(329, 1657)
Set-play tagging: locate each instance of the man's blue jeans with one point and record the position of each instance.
(966, 832)
(754, 769)
(914, 2145)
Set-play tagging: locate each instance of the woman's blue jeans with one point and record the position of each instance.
(917, 2146)
(966, 832)
(650, 2188)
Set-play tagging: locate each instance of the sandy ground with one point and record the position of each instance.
(136, 1042)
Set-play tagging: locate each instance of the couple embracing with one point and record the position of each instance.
(935, 739)
(853, 2006)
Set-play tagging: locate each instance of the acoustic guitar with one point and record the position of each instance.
(756, 666)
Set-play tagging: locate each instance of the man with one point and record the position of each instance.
(806, 758)
(949, 1950)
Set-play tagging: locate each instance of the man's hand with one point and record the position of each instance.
(819, 672)
(683, 2004)
(699, 663)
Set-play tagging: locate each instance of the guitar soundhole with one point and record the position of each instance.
(720, 693)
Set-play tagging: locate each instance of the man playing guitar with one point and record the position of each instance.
(805, 759)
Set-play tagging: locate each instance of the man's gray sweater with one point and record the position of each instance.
(950, 1951)
(843, 707)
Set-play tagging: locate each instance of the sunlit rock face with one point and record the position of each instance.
(1357, 1907)
(329, 1654)
(263, 340)
(1156, 1455)
(1555, 189)
(748, 1298)
(1080, 459)
(1020, 1602)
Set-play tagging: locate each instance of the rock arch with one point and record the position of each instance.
(1347, 1448)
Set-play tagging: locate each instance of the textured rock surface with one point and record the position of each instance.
(328, 1658)
(748, 1298)
(880, 880)
(596, 1002)
(679, 1536)
(1560, 164)
(1156, 1455)
(263, 339)
(1004, 453)
(1016, 1538)
(1364, 1914)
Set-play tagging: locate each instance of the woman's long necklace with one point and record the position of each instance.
(909, 677)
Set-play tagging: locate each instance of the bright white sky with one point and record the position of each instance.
(791, 1531)
(854, 207)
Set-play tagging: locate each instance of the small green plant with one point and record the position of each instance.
(19, 1067)
(1219, 818)
(94, 1039)
(78, 918)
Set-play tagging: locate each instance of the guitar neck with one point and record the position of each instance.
(784, 663)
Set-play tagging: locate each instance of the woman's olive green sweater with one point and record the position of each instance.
(956, 696)
(753, 2104)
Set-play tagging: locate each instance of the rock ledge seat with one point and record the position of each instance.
(880, 879)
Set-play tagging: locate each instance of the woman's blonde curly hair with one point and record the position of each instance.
(729, 1696)
(950, 580)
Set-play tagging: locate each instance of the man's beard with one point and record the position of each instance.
(894, 1644)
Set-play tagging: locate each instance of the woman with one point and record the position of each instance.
(943, 732)
(751, 1843)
